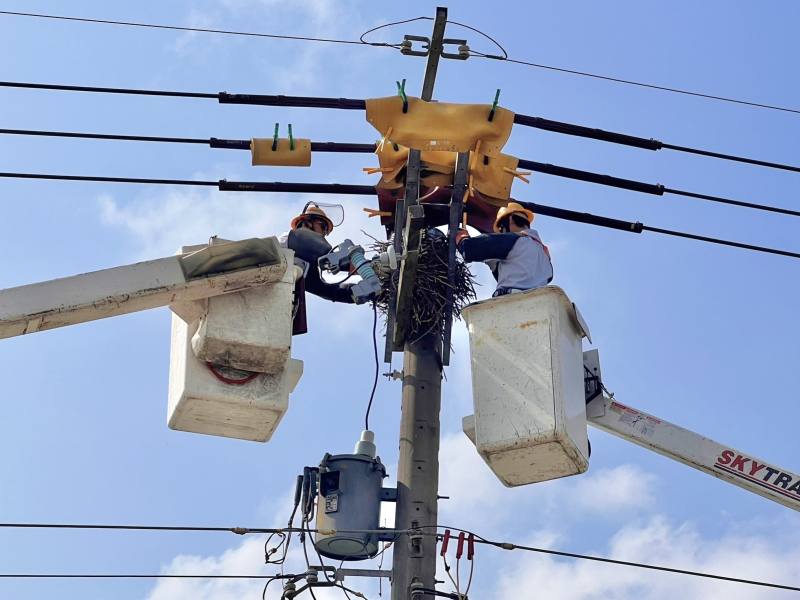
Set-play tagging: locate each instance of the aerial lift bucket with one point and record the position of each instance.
(526, 354)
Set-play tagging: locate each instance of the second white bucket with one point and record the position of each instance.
(528, 386)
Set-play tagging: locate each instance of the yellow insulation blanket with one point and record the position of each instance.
(283, 155)
(440, 125)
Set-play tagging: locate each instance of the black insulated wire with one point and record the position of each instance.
(546, 168)
(650, 86)
(292, 101)
(358, 104)
(97, 178)
(350, 189)
(625, 563)
(124, 576)
(711, 240)
(194, 29)
(111, 136)
(732, 202)
(741, 159)
(637, 227)
(377, 363)
(362, 42)
(106, 90)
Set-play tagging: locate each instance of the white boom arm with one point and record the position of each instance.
(216, 269)
(677, 443)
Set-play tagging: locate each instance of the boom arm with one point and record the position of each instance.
(689, 448)
(216, 269)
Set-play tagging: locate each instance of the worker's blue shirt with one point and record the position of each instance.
(518, 260)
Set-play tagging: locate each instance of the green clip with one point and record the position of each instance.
(401, 91)
(494, 104)
(275, 138)
(291, 139)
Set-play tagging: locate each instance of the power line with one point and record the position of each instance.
(509, 546)
(222, 185)
(377, 364)
(637, 227)
(358, 104)
(546, 168)
(361, 42)
(645, 85)
(198, 29)
(662, 88)
(236, 530)
(368, 190)
(125, 576)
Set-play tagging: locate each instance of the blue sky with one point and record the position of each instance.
(702, 335)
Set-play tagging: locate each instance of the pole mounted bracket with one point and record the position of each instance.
(407, 45)
(463, 49)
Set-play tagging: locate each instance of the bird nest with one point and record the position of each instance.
(431, 286)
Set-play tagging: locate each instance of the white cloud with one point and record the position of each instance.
(297, 66)
(160, 223)
(662, 543)
(609, 493)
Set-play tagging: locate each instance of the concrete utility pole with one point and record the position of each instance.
(414, 563)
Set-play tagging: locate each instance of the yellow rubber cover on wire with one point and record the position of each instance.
(392, 161)
(440, 125)
(282, 156)
(493, 175)
(490, 175)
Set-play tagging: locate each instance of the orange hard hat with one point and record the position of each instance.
(311, 212)
(512, 208)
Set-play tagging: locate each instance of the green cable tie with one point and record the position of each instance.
(291, 139)
(401, 91)
(494, 104)
(275, 138)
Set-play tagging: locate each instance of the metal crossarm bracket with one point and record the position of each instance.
(407, 234)
(406, 45)
(456, 215)
(412, 237)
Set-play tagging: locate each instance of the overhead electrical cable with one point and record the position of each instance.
(478, 538)
(645, 85)
(546, 168)
(197, 29)
(362, 42)
(510, 546)
(358, 104)
(127, 576)
(368, 190)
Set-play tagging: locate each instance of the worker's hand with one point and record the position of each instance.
(461, 235)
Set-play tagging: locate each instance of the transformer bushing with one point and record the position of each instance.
(350, 503)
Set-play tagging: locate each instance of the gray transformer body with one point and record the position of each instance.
(349, 499)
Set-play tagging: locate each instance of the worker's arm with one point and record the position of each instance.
(329, 291)
(309, 246)
(487, 246)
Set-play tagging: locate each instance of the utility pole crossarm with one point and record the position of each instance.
(140, 286)
(696, 451)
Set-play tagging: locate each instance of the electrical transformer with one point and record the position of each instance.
(349, 504)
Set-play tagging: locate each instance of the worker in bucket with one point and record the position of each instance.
(307, 238)
(515, 253)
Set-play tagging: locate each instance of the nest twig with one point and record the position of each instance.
(430, 295)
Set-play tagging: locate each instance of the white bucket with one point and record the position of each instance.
(200, 402)
(528, 386)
